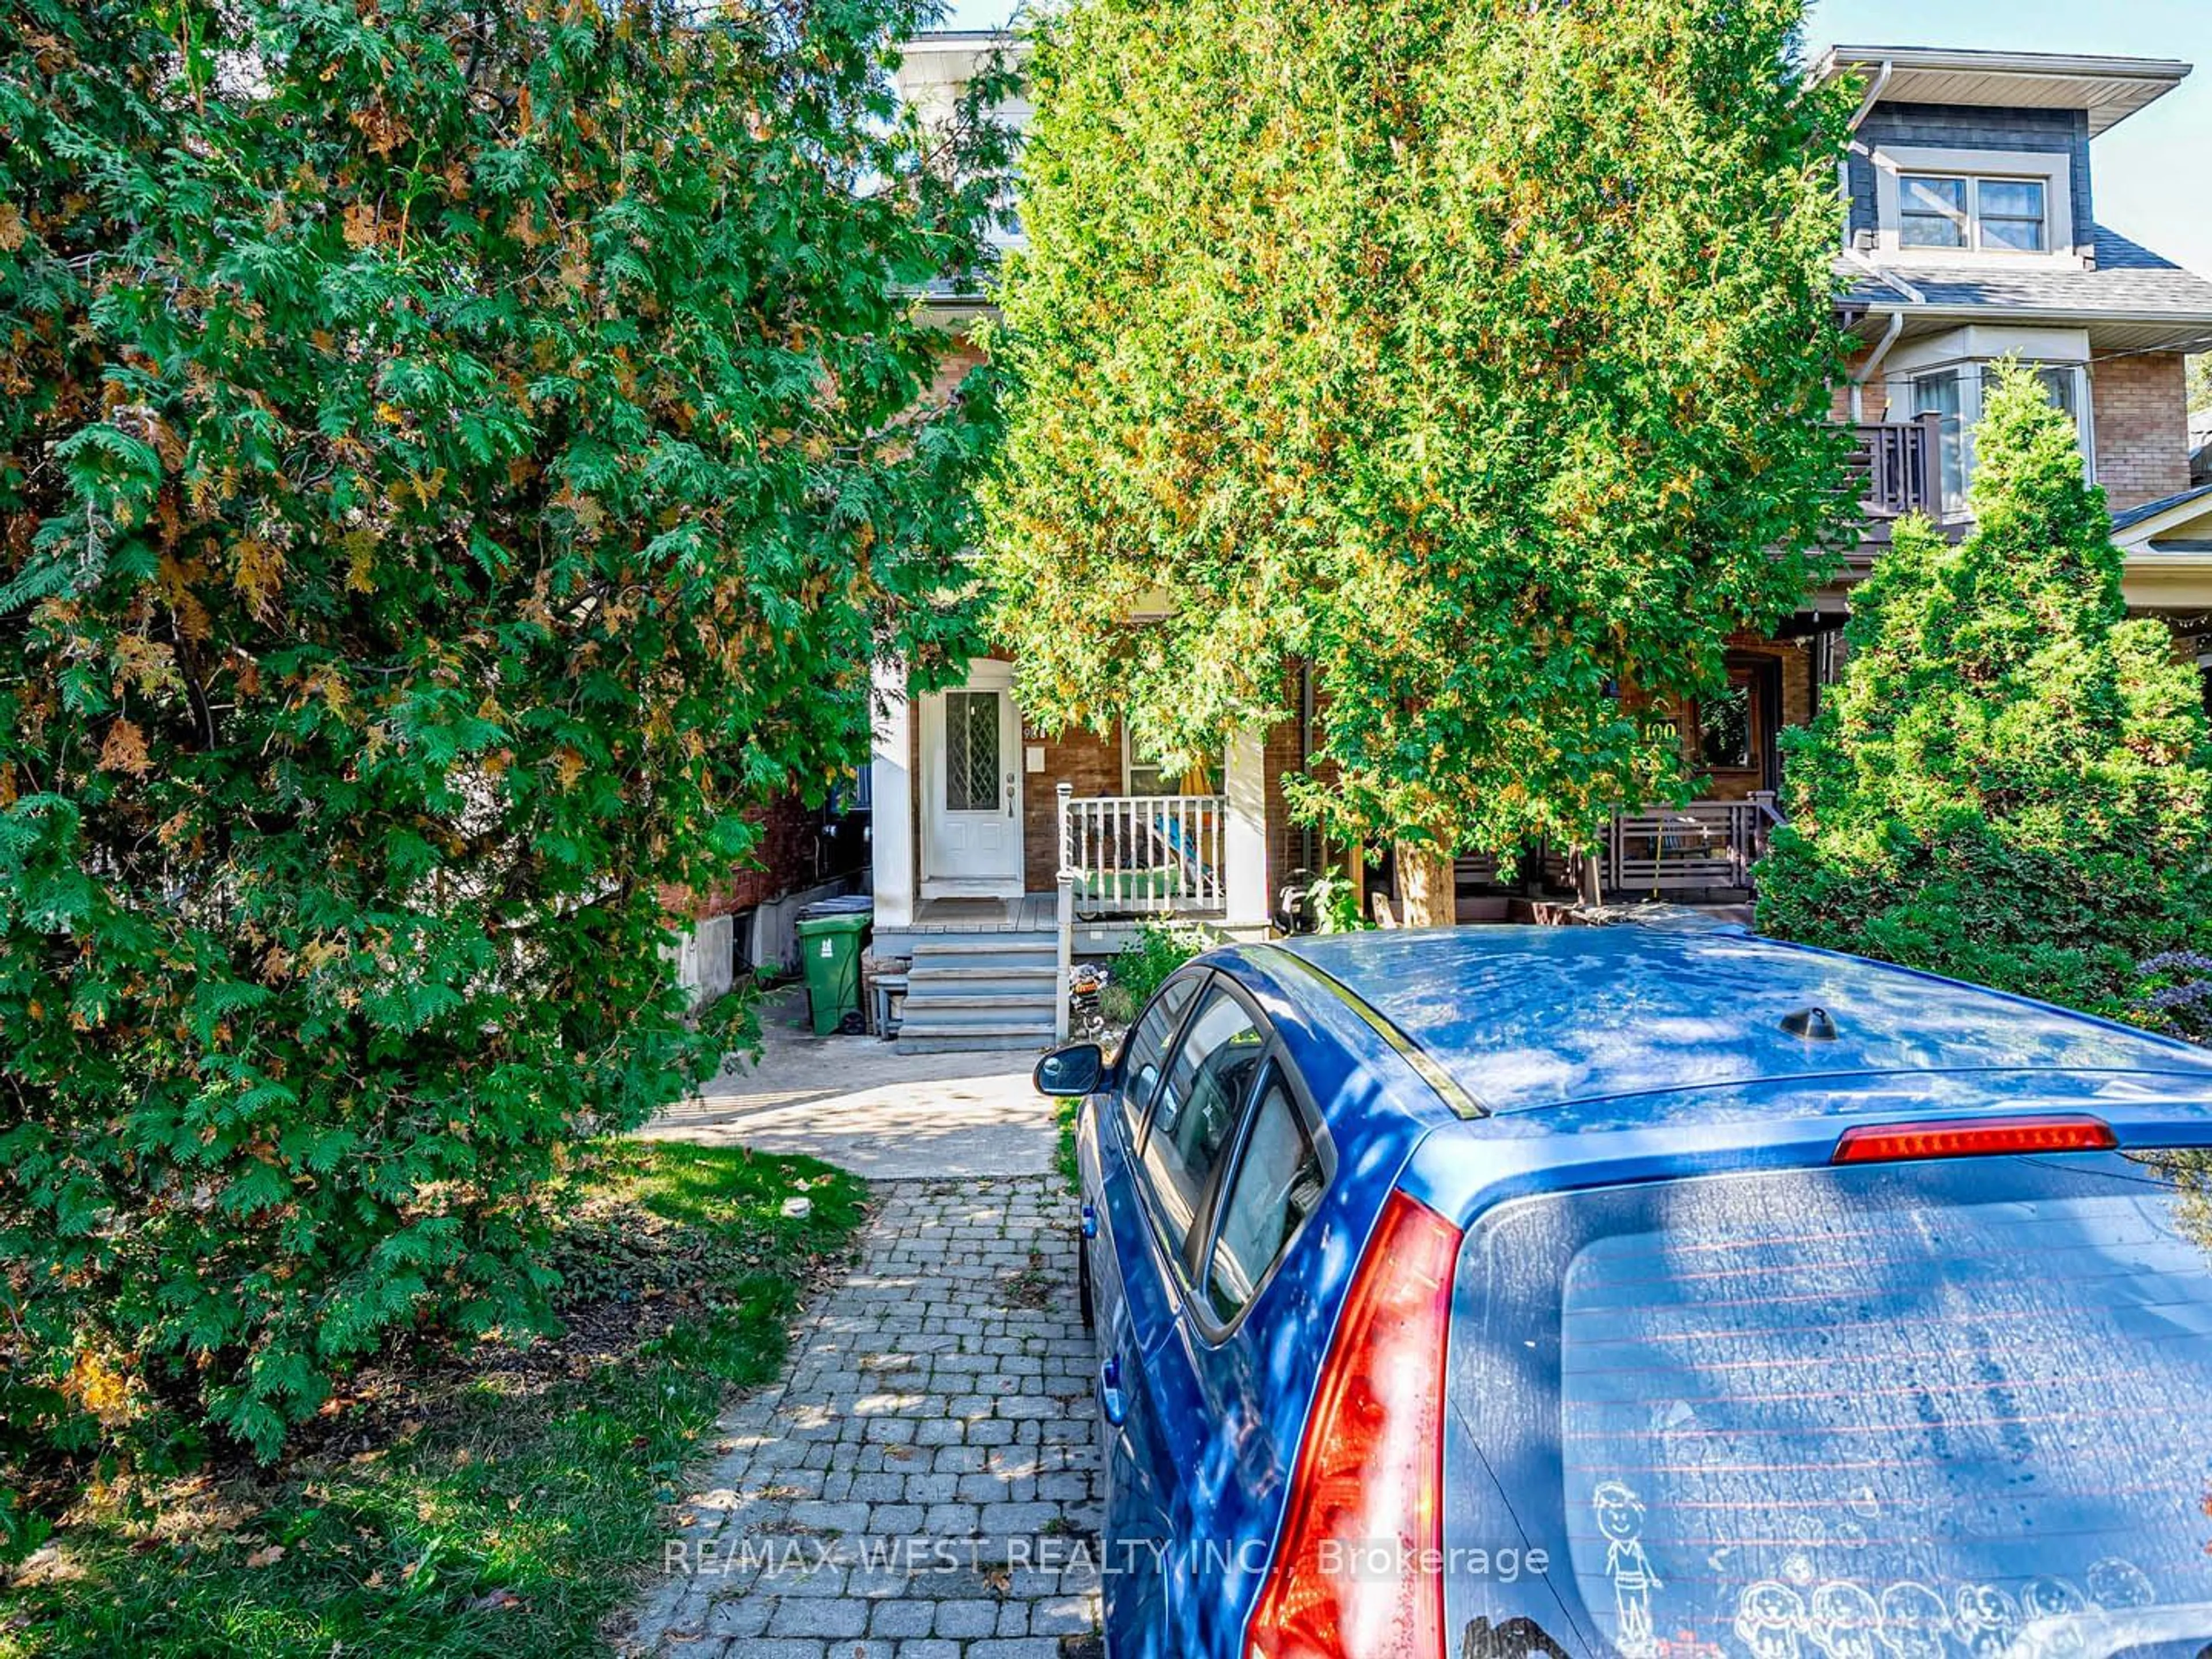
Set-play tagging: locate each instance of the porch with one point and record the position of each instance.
(1898, 467)
(1701, 851)
(977, 813)
(1002, 850)
(954, 921)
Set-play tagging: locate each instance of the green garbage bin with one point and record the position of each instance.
(829, 936)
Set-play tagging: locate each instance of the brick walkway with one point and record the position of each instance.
(922, 1484)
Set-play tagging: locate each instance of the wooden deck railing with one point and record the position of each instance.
(1144, 854)
(1899, 466)
(1676, 849)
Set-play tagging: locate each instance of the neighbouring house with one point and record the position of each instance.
(748, 920)
(1968, 236)
(1972, 235)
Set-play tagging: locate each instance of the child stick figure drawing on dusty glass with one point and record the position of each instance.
(1620, 1522)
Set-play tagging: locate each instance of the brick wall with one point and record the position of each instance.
(1796, 684)
(1081, 757)
(953, 369)
(1874, 399)
(1286, 839)
(1279, 760)
(789, 855)
(2141, 413)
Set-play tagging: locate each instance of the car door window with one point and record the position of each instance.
(1141, 1053)
(1207, 1082)
(1276, 1184)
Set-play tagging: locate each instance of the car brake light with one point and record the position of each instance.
(1358, 1571)
(1891, 1143)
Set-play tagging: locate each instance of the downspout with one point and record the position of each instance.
(1872, 95)
(1844, 161)
(1865, 372)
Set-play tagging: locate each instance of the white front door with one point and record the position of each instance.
(971, 762)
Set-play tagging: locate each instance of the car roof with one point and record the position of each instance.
(1532, 1018)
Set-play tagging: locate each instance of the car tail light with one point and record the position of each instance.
(1357, 1573)
(1892, 1142)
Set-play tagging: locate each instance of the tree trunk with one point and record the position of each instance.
(1351, 865)
(1588, 878)
(1426, 887)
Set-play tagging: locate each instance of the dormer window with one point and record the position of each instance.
(1975, 207)
(1968, 212)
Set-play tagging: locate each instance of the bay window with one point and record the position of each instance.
(1954, 394)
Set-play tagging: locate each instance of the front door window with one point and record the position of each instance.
(1734, 730)
(1724, 730)
(972, 759)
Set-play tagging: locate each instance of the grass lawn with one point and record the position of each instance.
(1064, 1113)
(494, 1501)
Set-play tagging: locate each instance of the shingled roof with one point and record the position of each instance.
(2130, 281)
(2135, 515)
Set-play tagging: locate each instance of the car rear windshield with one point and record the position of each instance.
(1924, 1411)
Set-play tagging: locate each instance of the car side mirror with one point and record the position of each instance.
(1075, 1070)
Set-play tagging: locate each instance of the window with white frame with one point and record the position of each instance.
(1142, 775)
(1954, 394)
(1965, 212)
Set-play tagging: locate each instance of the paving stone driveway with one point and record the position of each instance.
(923, 1484)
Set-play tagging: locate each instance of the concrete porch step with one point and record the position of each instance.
(962, 1013)
(980, 992)
(935, 973)
(980, 948)
(1011, 1029)
(982, 955)
(930, 1011)
(954, 943)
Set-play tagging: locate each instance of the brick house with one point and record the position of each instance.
(1968, 235)
(747, 920)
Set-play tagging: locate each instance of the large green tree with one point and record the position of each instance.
(457, 456)
(1475, 353)
(2011, 782)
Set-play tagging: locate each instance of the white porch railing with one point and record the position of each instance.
(1676, 849)
(1144, 855)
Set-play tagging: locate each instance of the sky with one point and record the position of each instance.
(2154, 171)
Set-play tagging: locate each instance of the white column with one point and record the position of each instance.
(1245, 844)
(892, 779)
(1064, 957)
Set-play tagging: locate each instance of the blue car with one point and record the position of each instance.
(1643, 1291)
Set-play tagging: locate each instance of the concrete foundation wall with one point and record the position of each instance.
(705, 965)
(773, 936)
